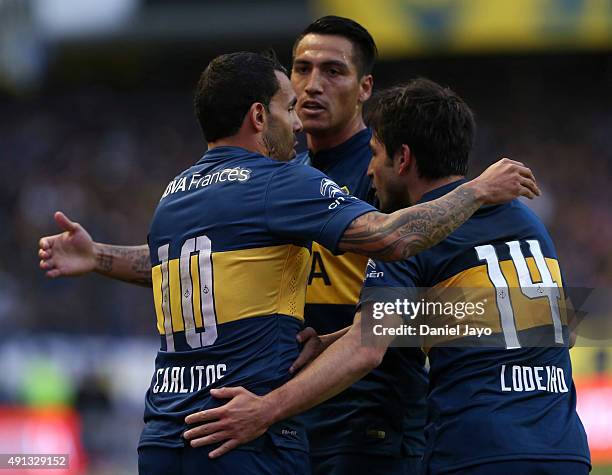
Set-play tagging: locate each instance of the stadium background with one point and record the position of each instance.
(96, 117)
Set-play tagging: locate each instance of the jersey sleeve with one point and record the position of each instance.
(388, 281)
(303, 203)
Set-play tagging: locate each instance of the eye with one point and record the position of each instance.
(333, 72)
(300, 69)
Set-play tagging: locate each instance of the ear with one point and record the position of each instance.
(404, 160)
(256, 117)
(365, 88)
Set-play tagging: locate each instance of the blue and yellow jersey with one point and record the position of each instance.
(230, 247)
(364, 418)
(511, 397)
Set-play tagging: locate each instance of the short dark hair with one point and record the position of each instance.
(432, 120)
(228, 87)
(364, 47)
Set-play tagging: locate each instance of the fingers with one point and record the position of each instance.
(225, 448)
(53, 273)
(306, 334)
(46, 264)
(300, 361)
(210, 439)
(527, 193)
(509, 161)
(531, 186)
(49, 267)
(216, 413)
(63, 222)
(528, 179)
(528, 184)
(46, 242)
(203, 430)
(203, 416)
(526, 172)
(227, 393)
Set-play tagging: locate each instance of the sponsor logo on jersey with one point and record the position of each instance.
(196, 180)
(371, 272)
(330, 189)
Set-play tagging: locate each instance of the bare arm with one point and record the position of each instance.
(406, 232)
(343, 363)
(247, 416)
(73, 252)
(130, 264)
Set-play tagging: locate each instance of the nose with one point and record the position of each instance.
(313, 85)
(297, 123)
(370, 170)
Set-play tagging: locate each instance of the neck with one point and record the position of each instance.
(418, 189)
(249, 143)
(329, 139)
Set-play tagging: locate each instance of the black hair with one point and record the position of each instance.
(364, 47)
(227, 88)
(432, 120)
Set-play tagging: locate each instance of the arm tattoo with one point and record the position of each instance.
(409, 231)
(127, 263)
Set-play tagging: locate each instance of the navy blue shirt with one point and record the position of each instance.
(378, 414)
(506, 400)
(230, 246)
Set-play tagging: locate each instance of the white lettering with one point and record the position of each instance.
(156, 386)
(538, 370)
(164, 388)
(503, 379)
(553, 381)
(517, 382)
(528, 378)
(561, 379)
(193, 179)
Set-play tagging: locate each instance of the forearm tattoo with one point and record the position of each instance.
(128, 263)
(407, 232)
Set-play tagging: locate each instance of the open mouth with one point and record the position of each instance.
(312, 106)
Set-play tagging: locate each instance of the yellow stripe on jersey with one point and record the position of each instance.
(476, 287)
(246, 283)
(157, 297)
(260, 281)
(197, 303)
(176, 309)
(334, 279)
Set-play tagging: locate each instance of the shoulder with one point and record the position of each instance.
(302, 158)
(296, 170)
(392, 274)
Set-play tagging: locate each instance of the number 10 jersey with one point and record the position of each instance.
(230, 244)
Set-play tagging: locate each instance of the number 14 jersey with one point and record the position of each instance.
(508, 394)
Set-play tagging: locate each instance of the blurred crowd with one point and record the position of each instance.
(104, 156)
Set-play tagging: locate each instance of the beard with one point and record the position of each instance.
(278, 143)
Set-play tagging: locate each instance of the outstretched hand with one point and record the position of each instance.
(69, 253)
